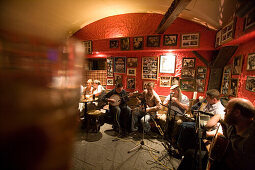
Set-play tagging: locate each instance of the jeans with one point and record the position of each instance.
(121, 116)
(144, 118)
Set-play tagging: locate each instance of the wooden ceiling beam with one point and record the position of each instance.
(172, 13)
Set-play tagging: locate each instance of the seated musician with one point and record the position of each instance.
(152, 102)
(121, 112)
(239, 131)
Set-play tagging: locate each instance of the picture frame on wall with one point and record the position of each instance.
(190, 40)
(165, 81)
(146, 82)
(175, 81)
(200, 85)
(225, 84)
(130, 83)
(188, 73)
(88, 47)
(218, 39)
(153, 41)
(251, 62)
(138, 43)
(237, 65)
(131, 71)
(249, 21)
(227, 32)
(119, 64)
(150, 68)
(167, 64)
(132, 61)
(201, 70)
(114, 43)
(187, 84)
(170, 40)
(188, 62)
(117, 78)
(233, 87)
(201, 76)
(109, 61)
(125, 43)
(110, 82)
(250, 83)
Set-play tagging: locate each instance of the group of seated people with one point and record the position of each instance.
(235, 122)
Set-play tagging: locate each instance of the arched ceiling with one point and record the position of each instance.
(58, 19)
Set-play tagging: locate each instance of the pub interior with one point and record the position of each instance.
(66, 67)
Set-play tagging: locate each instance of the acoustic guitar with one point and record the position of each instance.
(118, 98)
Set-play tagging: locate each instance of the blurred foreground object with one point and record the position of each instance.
(40, 89)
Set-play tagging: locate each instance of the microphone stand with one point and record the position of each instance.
(140, 146)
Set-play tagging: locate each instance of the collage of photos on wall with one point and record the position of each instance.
(188, 74)
(250, 81)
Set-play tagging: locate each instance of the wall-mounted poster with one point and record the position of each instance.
(124, 44)
(170, 40)
(119, 64)
(187, 84)
(109, 66)
(130, 83)
(150, 68)
(237, 65)
(251, 62)
(190, 40)
(175, 81)
(165, 81)
(117, 79)
(250, 83)
(88, 46)
(146, 82)
(153, 41)
(131, 71)
(200, 84)
(110, 82)
(188, 73)
(138, 43)
(114, 43)
(167, 64)
(188, 62)
(233, 87)
(132, 62)
(225, 84)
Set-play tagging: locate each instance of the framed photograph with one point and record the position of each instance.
(119, 64)
(146, 82)
(237, 65)
(167, 64)
(249, 21)
(175, 81)
(218, 39)
(227, 32)
(114, 43)
(88, 46)
(200, 84)
(153, 41)
(201, 76)
(188, 85)
(188, 62)
(190, 40)
(124, 44)
(130, 83)
(188, 73)
(150, 68)
(131, 71)
(118, 79)
(109, 61)
(138, 43)
(109, 82)
(201, 69)
(251, 62)
(225, 84)
(165, 81)
(233, 87)
(170, 40)
(132, 62)
(250, 83)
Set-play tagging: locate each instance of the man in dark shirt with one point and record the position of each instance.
(117, 99)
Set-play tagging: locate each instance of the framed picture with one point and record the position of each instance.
(88, 46)
(249, 21)
(114, 43)
(138, 43)
(218, 39)
(188, 73)
(167, 64)
(131, 71)
(170, 40)
(132, 62)
(175, 81)
(227, 32)
(200, 84)
(165, 81)
(201, 76)
(188, 62)
(251, 62)
(153, 41)
(124, 44)
(117, 79)
(201, 69)
(237, 65)
(109, 82)
(190, 40)
(233, 87)
(225, 84)
(150, 68)
(146, 82)
(130, 83)
(250, 83)
(187, 85)
(109, 61)
(119, 64)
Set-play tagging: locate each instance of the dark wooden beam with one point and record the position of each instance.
(172, 13)
(224, 56)
(201, 58)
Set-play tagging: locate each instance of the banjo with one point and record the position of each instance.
(118, 98)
